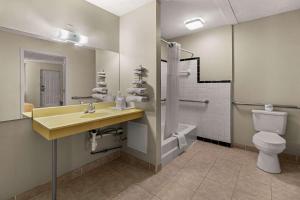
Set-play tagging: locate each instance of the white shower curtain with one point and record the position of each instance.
(172, 103)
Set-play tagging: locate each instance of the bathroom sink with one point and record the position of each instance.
(93, 115)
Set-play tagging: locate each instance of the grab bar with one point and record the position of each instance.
(184, 73)
(78, 97)
(260, 104)
(206, 101)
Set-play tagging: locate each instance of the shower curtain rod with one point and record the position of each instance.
(187, 51)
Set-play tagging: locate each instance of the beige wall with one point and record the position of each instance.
(26, 156)
(100, 26)
(33, 80)
(214, 47)
(138, 45)
(80, 76)
(267, 70)
(109, 62)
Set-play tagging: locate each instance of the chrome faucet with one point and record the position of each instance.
(90, 108)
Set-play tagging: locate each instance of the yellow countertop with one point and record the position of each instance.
(64, 121)
(27, 114)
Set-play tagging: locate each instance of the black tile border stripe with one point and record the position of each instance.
(225, 144)
(198, 71)
(221, 81)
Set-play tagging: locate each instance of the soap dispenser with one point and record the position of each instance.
(120, 101)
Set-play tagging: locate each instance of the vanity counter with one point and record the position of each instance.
(59, 122)
(27, 114)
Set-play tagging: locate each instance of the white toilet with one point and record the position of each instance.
(269, 127)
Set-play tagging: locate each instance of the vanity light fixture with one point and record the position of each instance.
(194, 23)
(72, 37)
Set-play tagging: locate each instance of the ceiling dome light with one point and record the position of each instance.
(72, 37)
(194, 23)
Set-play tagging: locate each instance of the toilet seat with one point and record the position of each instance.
(268, 139)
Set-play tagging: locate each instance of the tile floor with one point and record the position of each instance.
(205, 172)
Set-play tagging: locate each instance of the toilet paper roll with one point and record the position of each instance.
(269, 107)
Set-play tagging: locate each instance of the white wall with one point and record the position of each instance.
(100, 26)
(213, 120)
(138, 45)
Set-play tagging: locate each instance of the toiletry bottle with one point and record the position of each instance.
(120, 101)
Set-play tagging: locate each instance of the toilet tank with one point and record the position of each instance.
(269, 121)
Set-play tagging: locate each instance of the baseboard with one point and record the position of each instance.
(225, 144)
(67, 177)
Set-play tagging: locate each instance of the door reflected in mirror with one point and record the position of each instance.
(43, 80)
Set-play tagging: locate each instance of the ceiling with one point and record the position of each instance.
(119, 7)
(217, 13)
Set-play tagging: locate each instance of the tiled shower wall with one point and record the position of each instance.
(213, 120)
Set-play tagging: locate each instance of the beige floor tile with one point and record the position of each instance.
(189, 178)
(134, 192)
(132, 174)
(239, 156)
(155, 183)
(249, 188)
(211, 190)
(155, 198)
(170, 170)
(204, 157)
(289, 171)
(224, 172)
(42, 196)
(111, 187)
(94, 194)
(201, 168)
(182, 160)
(251, 171)
(175, 191)
(285, 188)
(209, 148)
(205, 172)
(227, 164)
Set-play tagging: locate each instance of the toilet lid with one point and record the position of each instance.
(269, 138)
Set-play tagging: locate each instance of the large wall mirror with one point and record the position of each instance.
(43, 80)
(37, 73)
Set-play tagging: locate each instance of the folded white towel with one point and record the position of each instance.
(102, 84)
(138, 72)
(140, 68)
(139, 82)
(101, 90)
(101, 73)
(139, 91)
(99, 96)
(181, 140)
(136, 99)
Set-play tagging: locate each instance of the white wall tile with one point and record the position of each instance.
(213, 119)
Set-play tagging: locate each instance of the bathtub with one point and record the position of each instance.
(169, 146)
